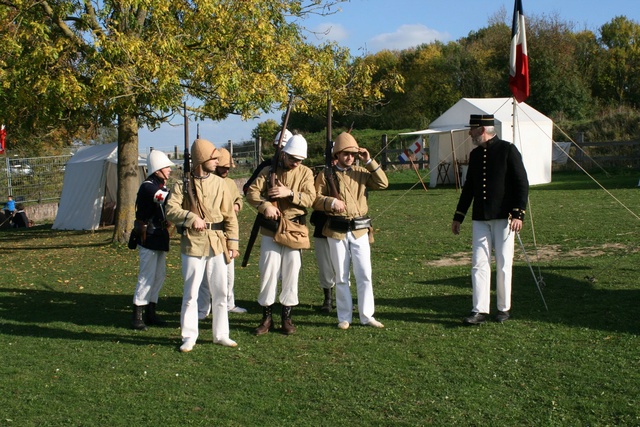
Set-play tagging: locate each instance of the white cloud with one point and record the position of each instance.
(406, 36)
(328, 31)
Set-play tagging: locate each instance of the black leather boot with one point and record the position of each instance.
(136, 319)
(327, 305)
(266, 322)
(287, 324)
(150, 316)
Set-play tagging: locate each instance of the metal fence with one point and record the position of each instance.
(39, 179)
(33, 179)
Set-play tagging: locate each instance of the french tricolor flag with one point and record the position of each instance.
(412, 153)
(519, 61)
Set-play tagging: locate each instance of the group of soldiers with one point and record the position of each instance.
(282, 192)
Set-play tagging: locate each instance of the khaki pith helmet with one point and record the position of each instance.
(345, 142)
(225, 160)
(203, 150)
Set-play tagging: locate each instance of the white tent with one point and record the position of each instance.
(90, 187)
(450, 144)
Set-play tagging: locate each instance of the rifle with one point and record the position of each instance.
(187, 187)
(272, 182)
(329, 175)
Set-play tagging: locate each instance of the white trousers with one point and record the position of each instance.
(486, 235)
(357, 252)
(197, 271)
(151, 275)
(204, 296)
(277, 261)
(326, 276)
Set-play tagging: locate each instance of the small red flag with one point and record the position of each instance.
(3, 136)
(519, 61)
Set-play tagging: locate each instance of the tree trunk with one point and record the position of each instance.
(128, 180)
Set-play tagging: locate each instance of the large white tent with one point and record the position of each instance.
(450, 144)
(90, 184)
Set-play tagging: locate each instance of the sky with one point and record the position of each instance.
(369, 26)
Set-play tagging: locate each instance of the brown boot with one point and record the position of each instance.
(136, 318)
(287, 325)
(266, 322)
(327, 305)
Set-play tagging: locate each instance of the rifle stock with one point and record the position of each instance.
(272, 183)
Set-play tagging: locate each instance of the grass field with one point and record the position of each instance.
(70, 359)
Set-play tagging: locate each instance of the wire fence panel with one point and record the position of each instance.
(33, 179)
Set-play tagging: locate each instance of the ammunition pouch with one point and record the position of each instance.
(344, 225)
(272, 225)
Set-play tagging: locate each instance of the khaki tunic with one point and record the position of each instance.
(299, 180)
(218, 204)
(235, 194)
(352, 185)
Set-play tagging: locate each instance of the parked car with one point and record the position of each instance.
(20, 167)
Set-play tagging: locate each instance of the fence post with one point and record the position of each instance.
(175, 151)
(230, 148)
(384, 152)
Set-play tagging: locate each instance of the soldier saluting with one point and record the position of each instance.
(348, 228)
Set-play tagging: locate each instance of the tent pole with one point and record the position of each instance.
(454, 160)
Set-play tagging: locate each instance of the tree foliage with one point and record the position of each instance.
(575, 75)
(73, 65)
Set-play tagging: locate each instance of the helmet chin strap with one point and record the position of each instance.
(160, 174)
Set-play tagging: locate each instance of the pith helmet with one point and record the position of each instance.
(203, 150)
(296, 147)
(345, 142)
(225, 159)
(157, 160)
(285, 138)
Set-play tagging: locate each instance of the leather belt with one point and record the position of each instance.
(214, 226)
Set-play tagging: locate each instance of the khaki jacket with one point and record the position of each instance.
(235, 194)
(352, 185)
(218, 206)
(299, 180)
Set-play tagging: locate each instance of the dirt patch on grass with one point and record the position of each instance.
(544, 253)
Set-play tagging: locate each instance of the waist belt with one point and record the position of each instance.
(215, 226)
(343, 225)
(272, 225)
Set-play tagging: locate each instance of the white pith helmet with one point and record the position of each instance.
(158, 160)
(296, 147)
(285, 138)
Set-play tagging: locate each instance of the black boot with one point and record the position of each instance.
(151, 317)
(287, 324)
(136, 319)
(327, 305)
(266, 322)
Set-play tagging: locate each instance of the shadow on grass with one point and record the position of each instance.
(53, 314)
(31, 238)
(575, 303)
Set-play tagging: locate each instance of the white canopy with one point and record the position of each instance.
(90, 183)
(450, 144)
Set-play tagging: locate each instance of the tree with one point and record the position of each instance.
(617, 72)
(134, 63)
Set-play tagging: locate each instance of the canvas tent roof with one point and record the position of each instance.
(450, 144)
(90, 182)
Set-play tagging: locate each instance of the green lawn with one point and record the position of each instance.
(70, 359)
